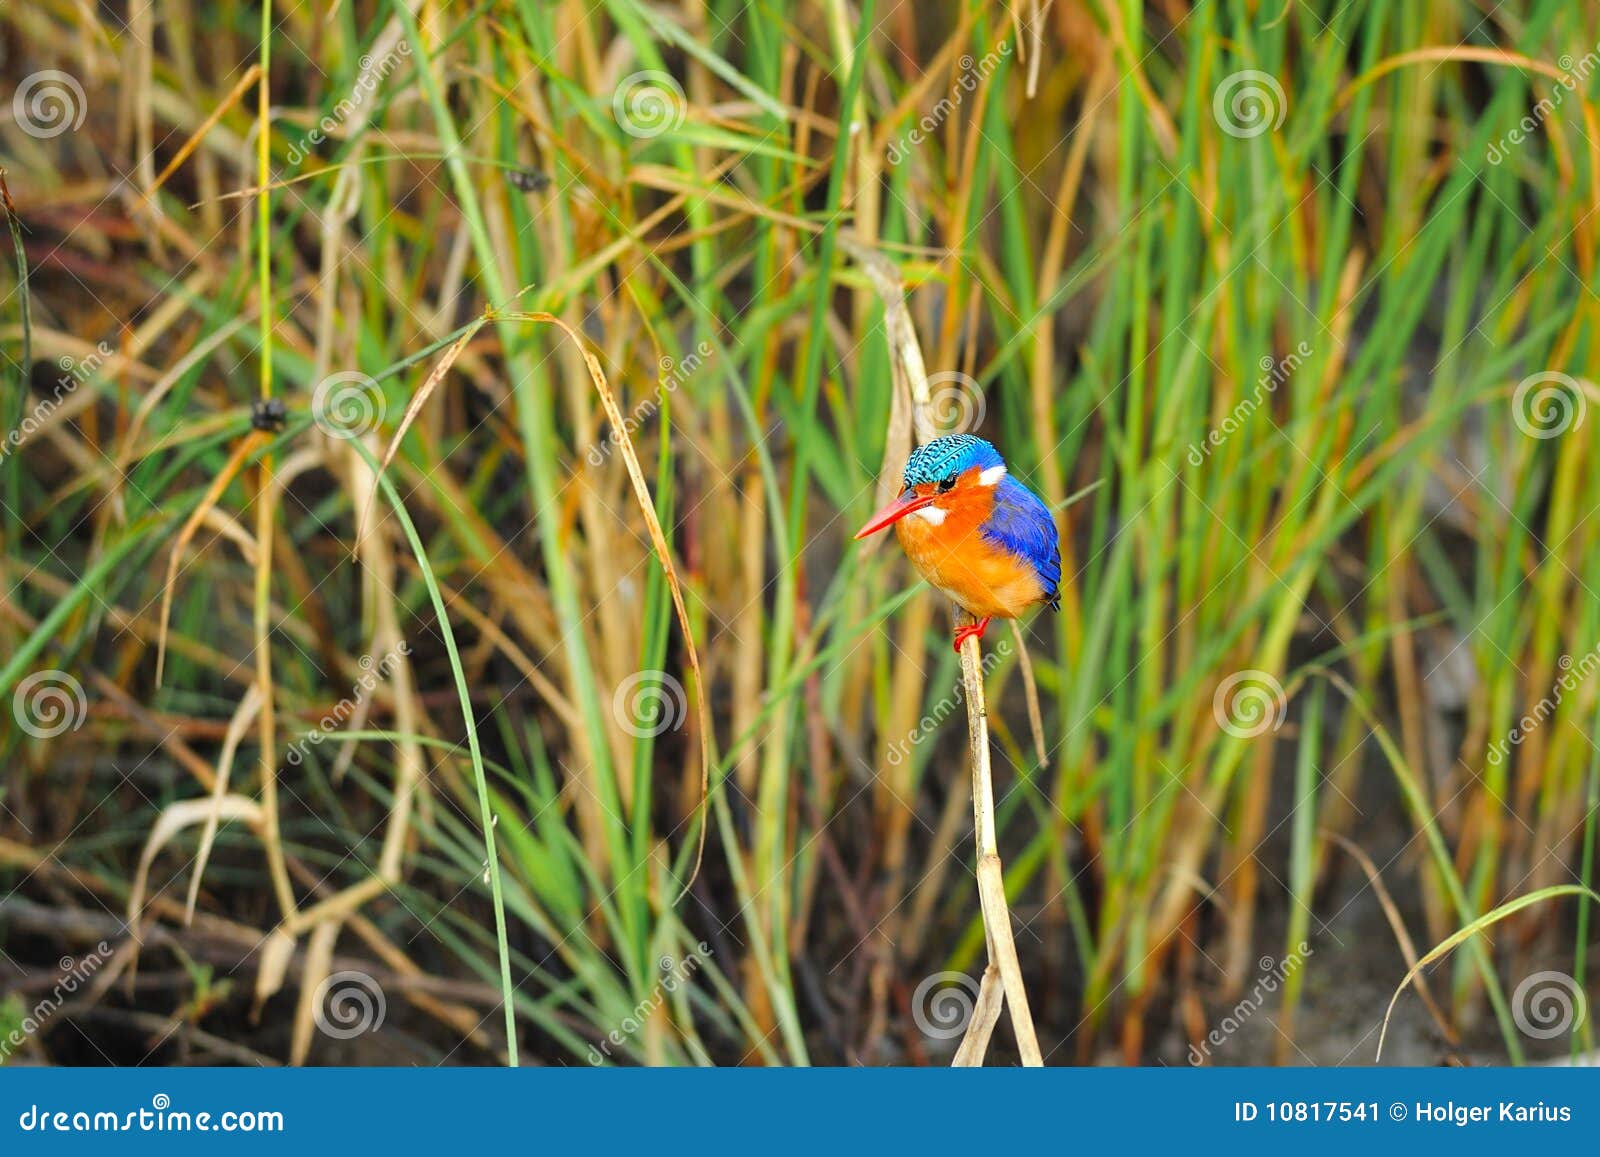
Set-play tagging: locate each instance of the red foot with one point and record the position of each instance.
(975, 631)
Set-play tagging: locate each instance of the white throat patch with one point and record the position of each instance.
(932, 513)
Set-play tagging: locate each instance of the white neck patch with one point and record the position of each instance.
(932, 513)
(992, 476)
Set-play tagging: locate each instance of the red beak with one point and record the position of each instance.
(894, 512)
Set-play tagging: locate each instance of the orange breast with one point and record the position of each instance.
(954, 556)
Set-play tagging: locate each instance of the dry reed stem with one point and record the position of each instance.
(991, 876)
(985, 1015)
(910, 373)
(1035, 717)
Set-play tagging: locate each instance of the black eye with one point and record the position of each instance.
(947, 484)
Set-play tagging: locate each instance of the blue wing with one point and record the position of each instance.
(1021, 524)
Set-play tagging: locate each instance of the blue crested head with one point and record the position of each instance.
(947, 457)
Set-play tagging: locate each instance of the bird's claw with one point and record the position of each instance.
(971, 631)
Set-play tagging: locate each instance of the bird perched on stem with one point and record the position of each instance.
(973, 531)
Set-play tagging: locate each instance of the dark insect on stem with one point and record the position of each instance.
(268, 414)
(528, 180)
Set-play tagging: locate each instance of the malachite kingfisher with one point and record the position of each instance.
(974, 532)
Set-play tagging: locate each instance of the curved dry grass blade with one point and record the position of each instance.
(242, 718)
(273, 960)
(315, 969)
(985, 1015)
(908, 402)
(658, 539)
(173, 820)
(1397, 924)
(991, 875)
(641, 492)
(413, 408)
(1463, 934)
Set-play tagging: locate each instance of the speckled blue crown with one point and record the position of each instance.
(947, 456)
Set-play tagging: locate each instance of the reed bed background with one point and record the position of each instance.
(1288, 309)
